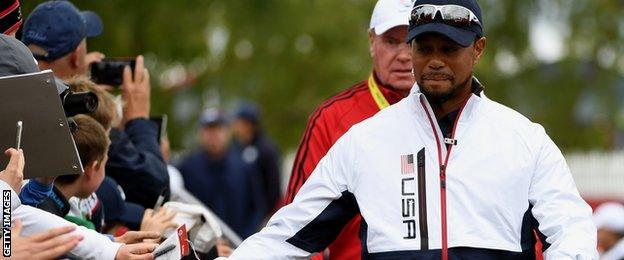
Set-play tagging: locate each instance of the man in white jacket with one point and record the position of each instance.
(446, 173)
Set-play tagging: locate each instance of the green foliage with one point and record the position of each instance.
(289, 55)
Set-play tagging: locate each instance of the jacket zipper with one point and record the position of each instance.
(443, 165)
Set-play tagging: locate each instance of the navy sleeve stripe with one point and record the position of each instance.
(324, 229)
(530, 232)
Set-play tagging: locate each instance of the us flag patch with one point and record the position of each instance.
(407, 164)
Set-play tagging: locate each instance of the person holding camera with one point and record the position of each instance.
(62, 47)
(135, 160)
(16, 59)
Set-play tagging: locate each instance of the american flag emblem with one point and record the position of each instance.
(407, 164)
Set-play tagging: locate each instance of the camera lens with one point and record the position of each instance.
(78, 102)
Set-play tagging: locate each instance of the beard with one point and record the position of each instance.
(437, 96)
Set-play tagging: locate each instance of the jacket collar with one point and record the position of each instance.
(473, 103)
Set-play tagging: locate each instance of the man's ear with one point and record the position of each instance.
(479, 48)
(74, 59)
(371, 42)
(91, 168)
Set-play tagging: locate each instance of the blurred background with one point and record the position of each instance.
(559, 62)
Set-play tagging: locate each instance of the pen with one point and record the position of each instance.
(19, 135)
(164, 250)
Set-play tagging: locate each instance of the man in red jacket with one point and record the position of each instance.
(390, 81)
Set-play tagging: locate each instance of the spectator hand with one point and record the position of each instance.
(14, 172)
(159, 222)
(133, 237)
(142, 251)
(50, 244)
(135, 92)
(224, 248)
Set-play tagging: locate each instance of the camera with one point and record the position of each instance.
(110, 70)
(75, 103)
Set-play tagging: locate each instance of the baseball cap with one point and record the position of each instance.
(10, 16)
(15, 58)
(116, 208)
(57, 27)
(212, 117)
(249, 112)
(389, 14)
(610, 215)
(463, 36)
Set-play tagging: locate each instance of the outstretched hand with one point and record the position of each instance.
(142, 251)
(159, 221)
(133, 237)
(13, 174)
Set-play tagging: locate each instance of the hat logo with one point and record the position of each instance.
(36, 36)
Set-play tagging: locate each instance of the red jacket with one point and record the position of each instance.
(328, 123)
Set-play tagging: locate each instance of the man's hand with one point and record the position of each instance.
(142, 251)
(133, 237)
(224, 248)
(159, 222)
(49, 244)
(14, 172)
(93, 57)
(135, 92)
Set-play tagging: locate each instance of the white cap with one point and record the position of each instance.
(390, 13)
(610, 215)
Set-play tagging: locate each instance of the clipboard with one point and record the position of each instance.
(48, 145)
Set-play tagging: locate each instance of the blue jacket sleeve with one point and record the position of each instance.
(136, 163)
(33, 193)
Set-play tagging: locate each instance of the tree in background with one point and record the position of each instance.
(557, 61)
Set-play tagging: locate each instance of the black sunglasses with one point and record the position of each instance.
(453, 15)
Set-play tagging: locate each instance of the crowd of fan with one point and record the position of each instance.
(114, 204)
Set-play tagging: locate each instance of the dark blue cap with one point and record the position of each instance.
(463, 36)
(249, 112)
(115, 206)
(58, 27)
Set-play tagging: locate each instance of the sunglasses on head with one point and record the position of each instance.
(453, 15)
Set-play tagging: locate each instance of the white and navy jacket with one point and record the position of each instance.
(500, 178)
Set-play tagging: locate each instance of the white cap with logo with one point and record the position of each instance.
(390, 13)
(610, 215)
